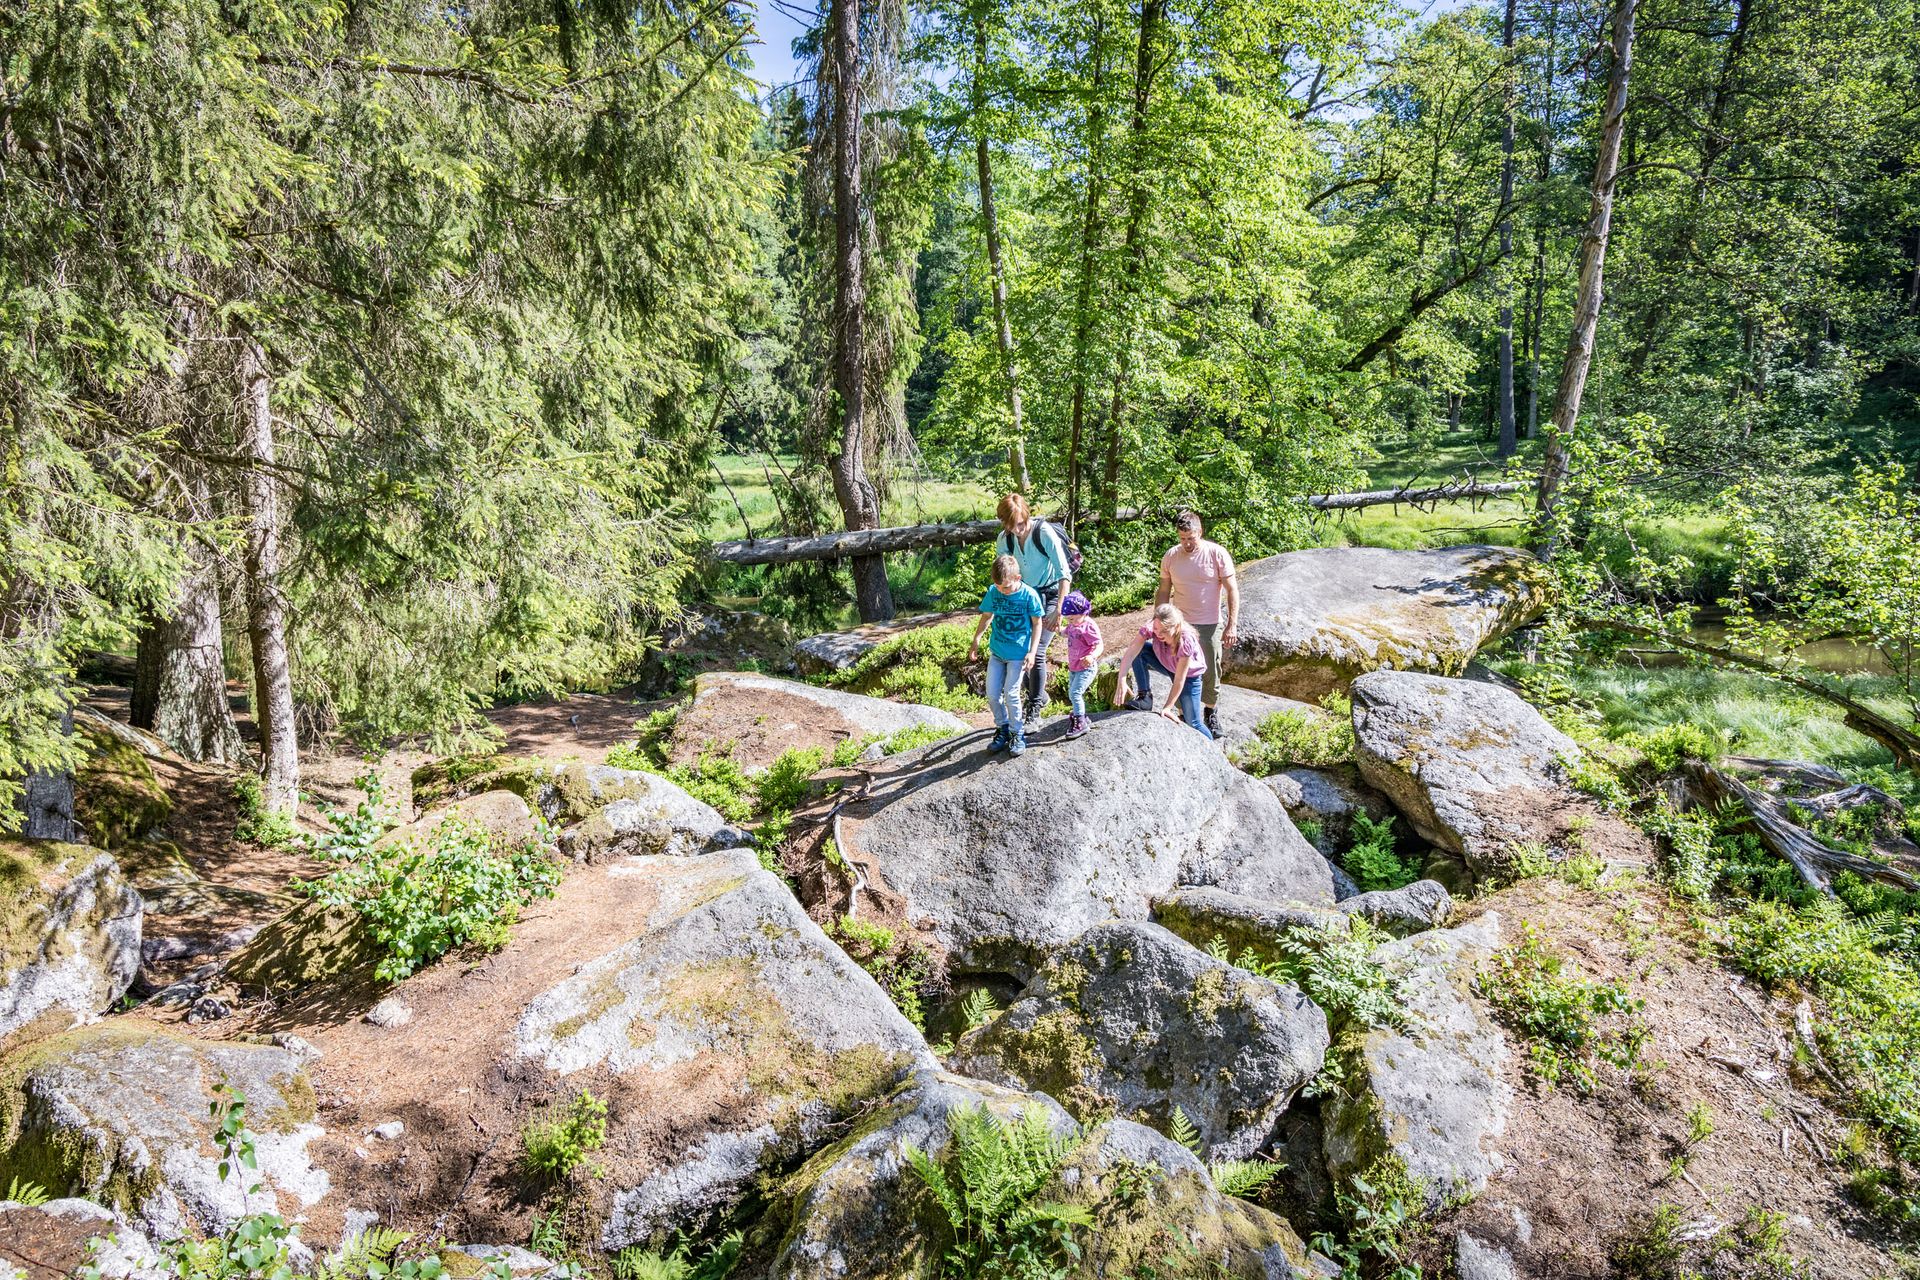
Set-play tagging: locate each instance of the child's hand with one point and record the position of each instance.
(973, 651)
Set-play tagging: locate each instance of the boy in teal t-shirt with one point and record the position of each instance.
(1015, 610)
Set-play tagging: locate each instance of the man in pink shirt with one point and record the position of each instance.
(1198, 577)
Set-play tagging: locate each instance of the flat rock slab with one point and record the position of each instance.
(1471, 765)
(757, 717)
(118, 1112)
(70, 934)
(852, 1212)
(1310, 621)
(1432, 1096)
(1131, 1020)
(1009, 858)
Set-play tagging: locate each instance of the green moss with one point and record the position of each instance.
(440, 782)
(298, 1105)
(1054, 1056)
(116, 797)
(25, 869)
(602, 996)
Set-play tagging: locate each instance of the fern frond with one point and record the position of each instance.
(30, 1194)
(1244, 1178)
(978, 1008)
(1182, 1130)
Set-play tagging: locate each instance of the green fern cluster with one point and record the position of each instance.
(558, 1139)
(1336, 970)
(1243, 1178)
(646, 1264)
(986, 1185)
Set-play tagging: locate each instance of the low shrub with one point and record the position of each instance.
(421, 899)
(558, 1139)
(255, 823)
(925, 665)
(1570, 1024)
(1287, 739)
(903, 966)
(1372, 860)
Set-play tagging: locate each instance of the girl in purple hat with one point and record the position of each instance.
(1084, 645)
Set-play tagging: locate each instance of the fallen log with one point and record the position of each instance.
(1767, 818)
(844, 543)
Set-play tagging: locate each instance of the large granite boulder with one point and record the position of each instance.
(755, 718)
(117, 798)
(53, 1241)
(1431, 1097)
(855, 1212)
(1131, 1020)
(725, 1033)
(69, 937)
(118, 1113)
(504, 815)
(1471, 765)
(839, 650)
(1310, 621)
(1009, 858)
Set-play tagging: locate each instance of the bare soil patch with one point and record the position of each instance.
(1590, 1171)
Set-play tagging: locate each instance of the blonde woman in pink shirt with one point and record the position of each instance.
(1198, 577)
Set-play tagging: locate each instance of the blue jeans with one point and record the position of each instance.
(1077, 683)
(1003, 689)
(1189, 696)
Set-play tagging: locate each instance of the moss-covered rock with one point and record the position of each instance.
(441, 782)
(117, 799)
(119, 1113)
(1143, 1023)
(310, 943)
(1430, 1099)
(69, 937)
(729, 1018)
(857, 1212)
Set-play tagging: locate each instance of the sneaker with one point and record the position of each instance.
(1078, 727)
(1017, 745)
(1140, 703)
(1001, 736)
(1031, 726)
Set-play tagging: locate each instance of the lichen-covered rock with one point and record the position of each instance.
(1472, 766)
(1414, 908)
(118, 1113)
(754, 718)
(1330, 796)
(522, 1264)
(53, 1241)
(117, 799)
(69, 937)
(1133, 1021)
(1310, 621)
(853, 1211)
(1009, 858)
(1431, 1097)
(1241, 712)
(728, 984)
(452, 778)
(1205, 917)
(631, 811)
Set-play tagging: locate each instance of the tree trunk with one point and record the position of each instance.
(266, 610)
(1593, 260)
(1134, 250)
(180, 672)
(1083, 297)
(46, 799)
(1454, 400)
(1509, 440)
(859, 502)
(996, 265)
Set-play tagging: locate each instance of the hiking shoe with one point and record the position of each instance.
(1078, 727)
(1140, 703)
(1001, 736)
(1210, 716)
(1017, 745)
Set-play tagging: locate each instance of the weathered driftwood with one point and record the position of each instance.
(1814, 859)
(920, 537)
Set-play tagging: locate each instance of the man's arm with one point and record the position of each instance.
(1232, 588)
(1165, 591)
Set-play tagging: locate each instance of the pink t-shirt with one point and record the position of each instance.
(1170, 655)
(1197, 580)
(1083, 637)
